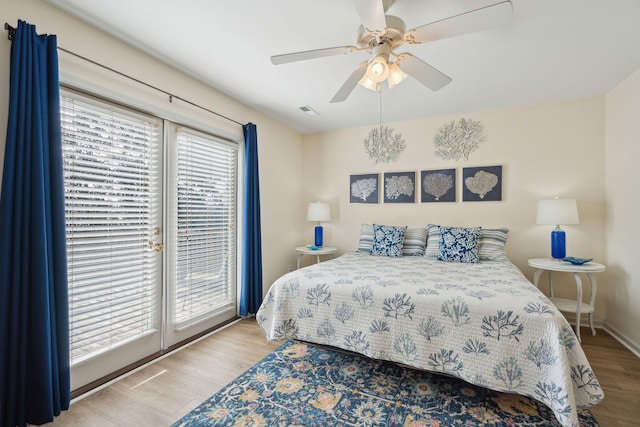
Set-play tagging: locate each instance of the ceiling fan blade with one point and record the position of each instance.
(423, 72)
(485, 18)
(372, 16)
(310, 54)
(351, 83)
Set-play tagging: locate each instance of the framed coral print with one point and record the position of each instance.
(363, 188)
(482, 184)
(438, 185)
(399, 187)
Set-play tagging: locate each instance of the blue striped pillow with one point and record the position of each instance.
(415, 241)
(366, 238)
(433, 242)
(491, 244)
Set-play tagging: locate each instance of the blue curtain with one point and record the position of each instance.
(34, 323)
(251, 286)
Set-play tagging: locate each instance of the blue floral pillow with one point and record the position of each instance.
(387, 240)
(459, 244)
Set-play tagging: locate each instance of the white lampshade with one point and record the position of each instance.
(319, 212)
(396, 75)
(378, 70)
(368, 83)
(557, 211)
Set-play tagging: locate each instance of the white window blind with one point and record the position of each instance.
(112, 196)
(205, 253)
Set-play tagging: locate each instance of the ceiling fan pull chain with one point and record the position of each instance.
(380, 112)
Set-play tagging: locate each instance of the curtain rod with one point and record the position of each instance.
(10, 30)
(12, 33)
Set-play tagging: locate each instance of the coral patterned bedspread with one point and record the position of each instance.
(484, 323)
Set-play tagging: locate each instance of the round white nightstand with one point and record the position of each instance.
(303, 250)
(569, 305)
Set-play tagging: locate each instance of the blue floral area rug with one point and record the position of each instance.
(306, 385)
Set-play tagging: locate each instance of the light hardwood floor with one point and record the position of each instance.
(161, 393)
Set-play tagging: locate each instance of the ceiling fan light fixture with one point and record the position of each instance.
(366, 82)
(380, 34)
(396, 75)
(378, 69)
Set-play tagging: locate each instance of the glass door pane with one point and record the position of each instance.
(201, 256)
(112, 163)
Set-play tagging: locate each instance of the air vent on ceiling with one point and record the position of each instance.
(308, 110)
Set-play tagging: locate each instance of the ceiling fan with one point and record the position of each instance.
(380, 34)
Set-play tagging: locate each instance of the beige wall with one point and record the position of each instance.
(623, 210)
(545, 151)
(280, 149)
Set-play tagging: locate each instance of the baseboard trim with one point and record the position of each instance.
(599, 324)
(166, 353)
(584, 320)
(624, 340)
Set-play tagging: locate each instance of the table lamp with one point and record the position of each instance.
(555, 212)
(318, 212)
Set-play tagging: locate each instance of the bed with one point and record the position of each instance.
(481, 321)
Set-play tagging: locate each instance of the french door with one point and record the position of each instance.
(201, 255)
(151, 243)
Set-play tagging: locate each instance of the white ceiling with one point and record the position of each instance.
(553, 50)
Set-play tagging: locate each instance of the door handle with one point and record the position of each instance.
(156, 246)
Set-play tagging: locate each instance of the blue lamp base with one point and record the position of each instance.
(318, 236)
(558, 244)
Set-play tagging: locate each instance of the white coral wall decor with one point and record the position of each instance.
(438, 185)
(455, 141)
(383, 145)
(482, 183)
(400, 187)
(363, 188)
